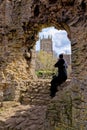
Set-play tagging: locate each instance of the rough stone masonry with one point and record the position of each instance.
(20, 23)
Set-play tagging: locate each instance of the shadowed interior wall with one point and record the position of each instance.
(22, 20)
(20, 23)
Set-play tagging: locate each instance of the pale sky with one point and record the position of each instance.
(61, 43)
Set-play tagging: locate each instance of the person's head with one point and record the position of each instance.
(61, 56)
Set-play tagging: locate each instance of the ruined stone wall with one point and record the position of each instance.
(20, 23)
(14, 67)
(67, 110)
(36, 92)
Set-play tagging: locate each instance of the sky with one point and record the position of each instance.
(61, 43)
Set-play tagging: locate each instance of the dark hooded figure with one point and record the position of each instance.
(62, 75)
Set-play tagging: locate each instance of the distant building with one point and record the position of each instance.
(67, 58)
(46, 44)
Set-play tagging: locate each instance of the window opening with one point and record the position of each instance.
(51, 43)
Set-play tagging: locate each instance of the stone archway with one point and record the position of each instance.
(20, 23)
(50, 44)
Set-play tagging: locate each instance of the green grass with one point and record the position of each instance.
(42, 73)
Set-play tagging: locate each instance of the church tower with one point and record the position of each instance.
(46, 44)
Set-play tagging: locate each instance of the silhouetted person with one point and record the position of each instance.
(62, 75)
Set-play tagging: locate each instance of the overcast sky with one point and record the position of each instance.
(61, 43)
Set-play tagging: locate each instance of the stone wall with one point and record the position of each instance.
(19, 30)
(36, 92)
(67, 110)
(20, 23)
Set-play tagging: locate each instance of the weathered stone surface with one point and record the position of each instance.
(20, 23)
(22, 117)
(63, 111)
(37, 92)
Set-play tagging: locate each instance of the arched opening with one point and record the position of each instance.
(71, 105)
(51, 43)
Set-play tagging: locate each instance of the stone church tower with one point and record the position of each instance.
(46, 44)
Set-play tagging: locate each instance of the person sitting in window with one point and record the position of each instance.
(61, 77)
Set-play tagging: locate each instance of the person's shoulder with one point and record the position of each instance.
(62, 59)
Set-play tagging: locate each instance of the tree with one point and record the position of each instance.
(45, 62)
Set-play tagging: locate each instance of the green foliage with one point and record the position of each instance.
(43, 74)
(46, 60)
(45, 64)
